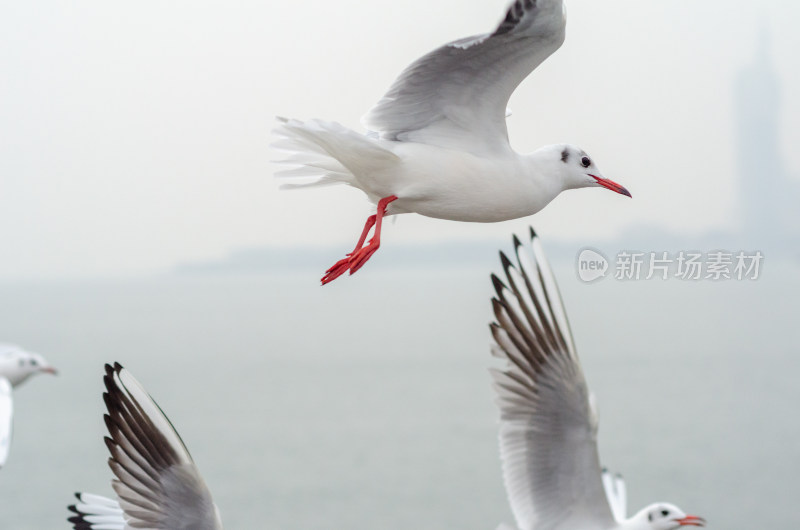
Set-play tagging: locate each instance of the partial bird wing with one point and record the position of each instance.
(456, 95)
(158, 485)
(6, 419)
(94, 512)
(548, 431)
(616, 494)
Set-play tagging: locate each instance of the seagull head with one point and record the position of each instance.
(664, 516)
(578, 170)
(17, 365)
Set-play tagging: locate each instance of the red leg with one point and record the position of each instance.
(369, 224)
(356, 259)
(360, 258)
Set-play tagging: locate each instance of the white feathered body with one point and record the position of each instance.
(428, 179)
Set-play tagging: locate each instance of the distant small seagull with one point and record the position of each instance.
(548, 425)
(437, 143)
(158, 485)
(16, 365)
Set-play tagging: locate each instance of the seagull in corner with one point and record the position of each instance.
(157, 483)
(548, 424)
(437, 143)
(16, 366)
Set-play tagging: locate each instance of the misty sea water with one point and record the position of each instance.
(367, 404)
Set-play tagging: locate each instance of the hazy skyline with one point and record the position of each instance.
(136, 137)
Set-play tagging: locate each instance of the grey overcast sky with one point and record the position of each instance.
(135, 135)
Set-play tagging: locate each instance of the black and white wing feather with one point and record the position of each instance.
(548, 429)
(456, 95)
(157, 483)
(93, 512)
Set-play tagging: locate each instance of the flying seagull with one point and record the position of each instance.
(437, 142)
(158, 485)
(16, 366)
(548, 425)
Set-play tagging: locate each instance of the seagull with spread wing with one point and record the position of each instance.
(548, 425)
(437, 142)
(157, 483)
(16, 366)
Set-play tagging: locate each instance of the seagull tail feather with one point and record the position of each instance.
(322, 153)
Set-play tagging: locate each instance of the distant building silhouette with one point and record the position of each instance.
(767, 195)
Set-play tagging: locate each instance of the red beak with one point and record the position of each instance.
(49, 370)
(611, 185)
(691, 520)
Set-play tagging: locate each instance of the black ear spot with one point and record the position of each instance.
(650, 517)
(564, 156)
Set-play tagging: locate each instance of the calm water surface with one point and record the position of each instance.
(367, 404)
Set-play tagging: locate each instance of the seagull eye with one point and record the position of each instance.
(585, 162)
(33, 362)
(665, 512)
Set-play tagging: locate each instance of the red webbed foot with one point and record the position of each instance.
(360, 258)
(338, 268)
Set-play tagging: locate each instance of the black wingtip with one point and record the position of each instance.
(505, 261)
(498, 284)
(78, 521)
(532, 233)
(109, 422)
(107, 399)
(498, 308)
(108, 379)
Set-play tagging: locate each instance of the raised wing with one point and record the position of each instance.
(157, 483)
(93, 512)
(548, 431)
(6, 419)
(616, 494)
(456, 95)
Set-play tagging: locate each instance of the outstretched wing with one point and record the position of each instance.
(548, 431)
(456, 95)
(616, 494)
(93, 512)
(157, 483)
(6, 419)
